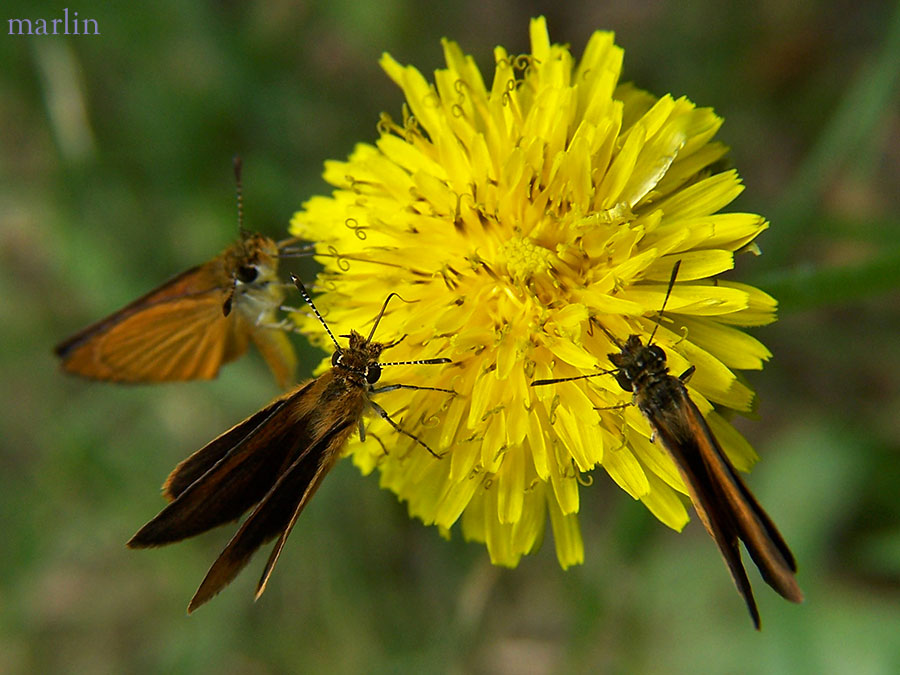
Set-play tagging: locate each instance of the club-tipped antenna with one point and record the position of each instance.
(312, 305)
(419, 362)
(665, 300)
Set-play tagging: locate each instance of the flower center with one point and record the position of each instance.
(525, 258)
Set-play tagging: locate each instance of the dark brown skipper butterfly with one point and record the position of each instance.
(726, 507)
(274, 461)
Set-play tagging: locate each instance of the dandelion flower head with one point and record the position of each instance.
(515, 218)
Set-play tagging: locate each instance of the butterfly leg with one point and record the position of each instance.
(618, 406)
(383, 414)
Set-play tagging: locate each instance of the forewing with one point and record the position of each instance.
(755, 528)
(176, 332)
(275, 514)
(723, 503)
(195, 281)
(207, 457)
(681, 436)
(221, 481)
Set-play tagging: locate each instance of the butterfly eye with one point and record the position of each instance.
(336, 357)
(373, 372)
(624, 381)
(247, 273)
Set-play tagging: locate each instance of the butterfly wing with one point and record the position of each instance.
(230, 474)
(276, 513)
(178, 331)
(755, 528)
(195, 466)
(723, 502)
(275, 459)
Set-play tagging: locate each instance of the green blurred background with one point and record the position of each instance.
(116, 173)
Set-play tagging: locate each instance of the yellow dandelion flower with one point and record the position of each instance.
(512, 218)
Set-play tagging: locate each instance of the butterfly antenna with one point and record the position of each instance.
(238, 165)
(292, 248)
(665, 300)
(309, 301)
(417, 362)
(381, 314)
(612, 338)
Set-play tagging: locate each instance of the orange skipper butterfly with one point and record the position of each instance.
(192, 324)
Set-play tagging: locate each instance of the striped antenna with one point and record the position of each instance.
(309, 301)
(420, 362)
(665, 300)
(238, 165)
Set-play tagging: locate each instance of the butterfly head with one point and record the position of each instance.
(359, 360)
(637, 360)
